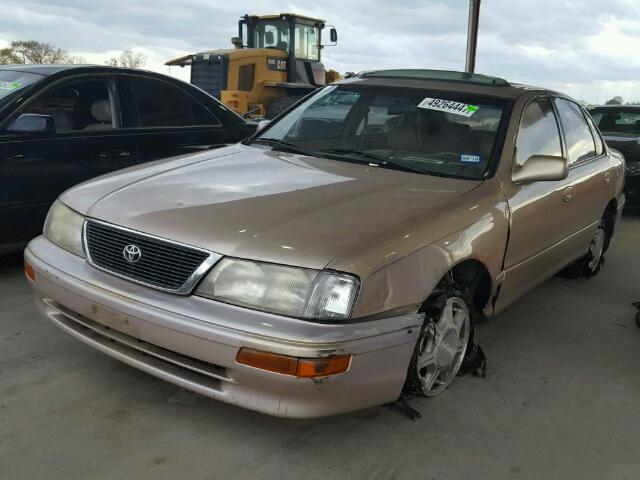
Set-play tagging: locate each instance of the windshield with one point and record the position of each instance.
(622, 120)
(272, 34)
(14, 81)
(437, 133)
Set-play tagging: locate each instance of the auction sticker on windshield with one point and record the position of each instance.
(448, 106)
(10, 85)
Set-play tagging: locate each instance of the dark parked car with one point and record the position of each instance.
(620, 127)
(63, 124)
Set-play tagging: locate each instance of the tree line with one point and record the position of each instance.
(617, 100)
(33, 51)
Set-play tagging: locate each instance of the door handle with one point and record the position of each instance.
(567, 194)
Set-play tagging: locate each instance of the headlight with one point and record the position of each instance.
(63, 227)
(633, 167)
(295, 292)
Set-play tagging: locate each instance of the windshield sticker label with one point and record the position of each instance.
(10, 85)
(470, 158)
(448, 106)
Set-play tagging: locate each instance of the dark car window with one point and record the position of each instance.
(12, 81)
(77, 105)
(539, 133)
(577, 135)
(162, 104)
(431, 132)
(612, 120)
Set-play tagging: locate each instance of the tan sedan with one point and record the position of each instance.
(342, 254)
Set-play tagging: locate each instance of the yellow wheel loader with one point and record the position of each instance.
(276, 60)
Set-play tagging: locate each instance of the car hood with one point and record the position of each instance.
(253, 202)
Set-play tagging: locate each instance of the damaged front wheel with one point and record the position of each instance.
(443, 343)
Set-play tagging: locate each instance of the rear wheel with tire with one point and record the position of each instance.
(446, 335)
(589, 265)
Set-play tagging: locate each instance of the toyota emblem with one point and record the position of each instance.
(132, 253)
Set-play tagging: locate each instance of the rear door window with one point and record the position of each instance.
(577, 134)
(596, 134)
(162, 104)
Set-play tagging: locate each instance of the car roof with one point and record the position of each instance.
(444, 80)
(52, 69)
(613, 107)
(37, 68)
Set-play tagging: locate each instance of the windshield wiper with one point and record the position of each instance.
(274, 142)
(372, 159)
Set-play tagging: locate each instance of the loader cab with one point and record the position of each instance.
(276, 61)
(298, 36)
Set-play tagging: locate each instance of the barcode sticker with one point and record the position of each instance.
(448, 106)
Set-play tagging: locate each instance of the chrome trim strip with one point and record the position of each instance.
(186, 287)
(180, 376)
(198, 366)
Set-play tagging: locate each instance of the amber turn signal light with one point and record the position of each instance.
(321, 367)
(299, 367)
(271, 362)
(29, 272)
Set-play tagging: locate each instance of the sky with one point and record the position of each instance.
(589, 49)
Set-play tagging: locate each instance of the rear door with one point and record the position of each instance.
(588, 172)
(36, 168)
(168, 119)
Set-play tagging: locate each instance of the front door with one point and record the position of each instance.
(541, 212)
(37, 168)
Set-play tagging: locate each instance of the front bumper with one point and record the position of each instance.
(193, 342)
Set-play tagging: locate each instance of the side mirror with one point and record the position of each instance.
(32, 123)
(262, 124)
(269, 38)
(541, 168)
(333, 35)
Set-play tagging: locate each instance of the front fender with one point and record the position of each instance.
(474, 229)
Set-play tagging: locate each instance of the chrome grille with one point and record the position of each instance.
(162, 264)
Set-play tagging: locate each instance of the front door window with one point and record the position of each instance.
(539, 133)
(79, 105)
